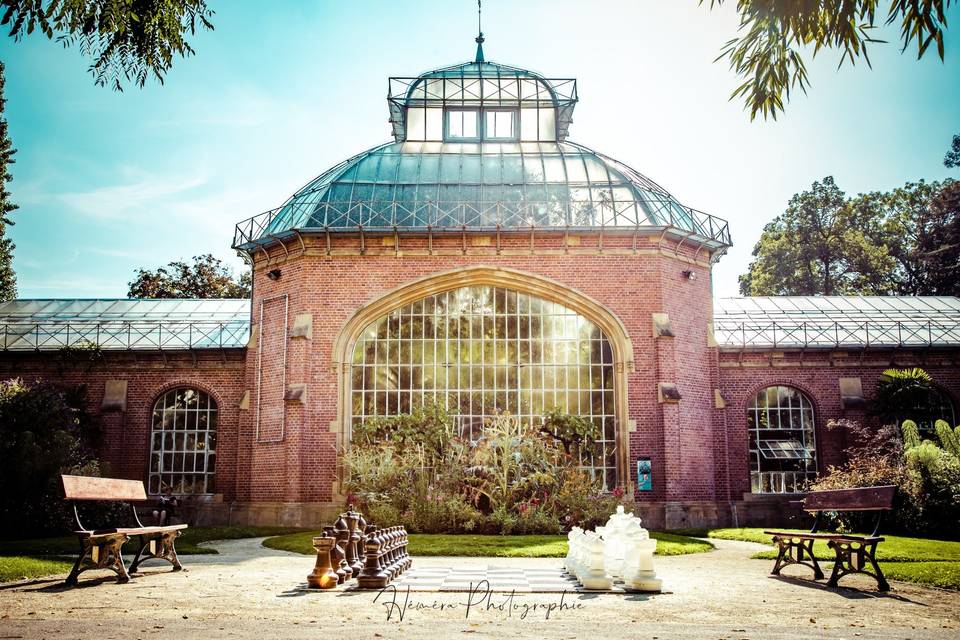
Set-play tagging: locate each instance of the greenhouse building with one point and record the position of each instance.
(483, 260)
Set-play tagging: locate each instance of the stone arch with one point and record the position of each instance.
(525, 282)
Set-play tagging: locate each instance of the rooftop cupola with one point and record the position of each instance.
(481, 146)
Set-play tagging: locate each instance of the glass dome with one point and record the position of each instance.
(480, 146)
(438, 186)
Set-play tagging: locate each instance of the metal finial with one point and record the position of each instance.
(479, 38)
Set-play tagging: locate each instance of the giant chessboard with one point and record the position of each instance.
(499, 579)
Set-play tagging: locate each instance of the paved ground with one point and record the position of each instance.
(250, 592)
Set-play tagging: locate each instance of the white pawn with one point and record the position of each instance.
(595, 576)
(639, 574)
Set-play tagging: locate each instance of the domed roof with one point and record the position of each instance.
(480, 146)
(419, 186)
(481, 69)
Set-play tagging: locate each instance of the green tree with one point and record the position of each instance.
(952, 159)
(8, 279)
(768, 53)
(45, 430)
(128, 40)
(916, 229)
(820, 245)
(939, 249)
(207, 277)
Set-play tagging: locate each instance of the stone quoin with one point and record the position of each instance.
(482, 259)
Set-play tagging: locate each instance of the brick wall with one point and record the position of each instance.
(631, 285)
(126, 434)
(818, 375)
(277, 460)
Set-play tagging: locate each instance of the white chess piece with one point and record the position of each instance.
(614, 538)
(571, 548)
(595, 576)
(639, 574)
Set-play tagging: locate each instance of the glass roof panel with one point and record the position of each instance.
(741, 322)
(511, 186)
(836, 321)
(125, 324)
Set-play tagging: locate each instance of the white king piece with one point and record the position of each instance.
(621, 552)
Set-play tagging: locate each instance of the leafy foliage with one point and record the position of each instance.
(207, 277)
(905, 242)
(902, 394)
(952, 159)
(926, 476)
(948, 438)
(45, 430)
(911, 434)
(8, 279)
(517, 478)
(129, 40)
(819, 245)
(767, 54)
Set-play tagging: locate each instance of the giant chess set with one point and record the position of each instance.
(619, 553)
(352, 549)
(616, 558)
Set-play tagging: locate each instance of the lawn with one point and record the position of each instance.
(33, 558)
(430, 544)
(920, 560)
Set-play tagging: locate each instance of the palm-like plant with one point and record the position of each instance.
(902, 394)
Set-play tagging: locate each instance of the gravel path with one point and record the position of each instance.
(248, 591)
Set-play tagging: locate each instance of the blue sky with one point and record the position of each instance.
(108, 182)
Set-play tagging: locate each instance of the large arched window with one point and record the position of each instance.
(183, 442)
(484, 349)
(783, 451)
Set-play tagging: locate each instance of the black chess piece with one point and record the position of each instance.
(372, 576)
(362, 530)
(353, 558)
(344, 571)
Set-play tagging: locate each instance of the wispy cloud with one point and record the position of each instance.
(120, 200)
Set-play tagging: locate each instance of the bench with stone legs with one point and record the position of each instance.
(101, 548)
(853, 554)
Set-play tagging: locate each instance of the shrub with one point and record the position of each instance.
(45, 430)
(948, 438)
(927, 480)
(516, 478)
(911, 434)
(902, 393)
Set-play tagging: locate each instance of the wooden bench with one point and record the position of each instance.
(100, 548)
(853, 553)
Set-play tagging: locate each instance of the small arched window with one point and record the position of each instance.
(183, 442)
(783, 452)
(939, 407)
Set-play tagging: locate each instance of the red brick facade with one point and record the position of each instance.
(280, 400)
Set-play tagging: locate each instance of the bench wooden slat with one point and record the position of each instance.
(89, 488)
(861, 499)
(823, 536)
(132, 531)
